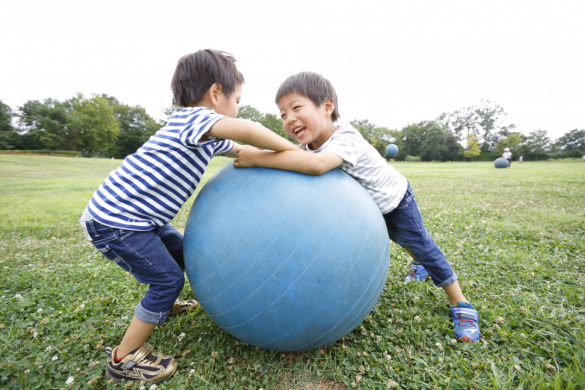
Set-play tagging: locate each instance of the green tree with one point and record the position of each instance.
(487, 122)
(95, 124)
(472, 148)
(430, 141)
(573, 140)
(514, 142)
(48, 124)
(136, 126)
(8, 134)
(538, 143)
(269, 121)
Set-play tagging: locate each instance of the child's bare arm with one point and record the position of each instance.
(250, 133)
(297, 161)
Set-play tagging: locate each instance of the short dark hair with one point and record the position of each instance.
(197, 72)
(312, 85)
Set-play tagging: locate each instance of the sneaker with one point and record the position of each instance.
(418, 273)
(465, 320)
(141, 365)
(182, 306)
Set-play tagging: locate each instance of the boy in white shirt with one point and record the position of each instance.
(308, 108)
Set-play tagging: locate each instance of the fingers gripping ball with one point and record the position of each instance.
(501, 163)
(285, 261)
(391, 150)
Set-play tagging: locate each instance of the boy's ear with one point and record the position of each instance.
(214, 92)
(329, 106)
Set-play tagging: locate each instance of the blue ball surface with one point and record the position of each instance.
(501, 163)
(286, 261)
(391, 150)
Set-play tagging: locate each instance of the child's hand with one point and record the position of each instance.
(245, 157)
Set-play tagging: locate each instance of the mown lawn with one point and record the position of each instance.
(515, 237)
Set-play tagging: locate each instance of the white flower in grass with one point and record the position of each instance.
(48, 349)
(55, 357)
(153, 387)
(40, 310)
(26, 371)
(69, 380)
(18, 296)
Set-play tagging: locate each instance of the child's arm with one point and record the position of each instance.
(251, 133)
(299, 161)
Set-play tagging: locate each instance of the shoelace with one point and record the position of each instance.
(461, 320)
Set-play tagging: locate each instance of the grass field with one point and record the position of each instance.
(515, 237)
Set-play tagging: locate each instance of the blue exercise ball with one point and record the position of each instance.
(391, 150)
(501, 163)
(285, 261)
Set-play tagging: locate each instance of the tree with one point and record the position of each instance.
(487, 122)
(136, 127)
(430, 142)
(95, 124)
(514, 142)
(269, 121)
(472, 148)
(538, 143)
(378, 137)
(8, 135)
(48, 124)
(573, 140)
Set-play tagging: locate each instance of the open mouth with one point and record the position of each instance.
(299, 131)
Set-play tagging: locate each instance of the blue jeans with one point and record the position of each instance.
(405, 227)
(154, 257)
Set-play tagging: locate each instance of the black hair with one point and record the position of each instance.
(197, 72)
(312, 85)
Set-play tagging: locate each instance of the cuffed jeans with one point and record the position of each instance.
(154, 257)
(406, 228)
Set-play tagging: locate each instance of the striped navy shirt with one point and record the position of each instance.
(363, 162)
(152, 184)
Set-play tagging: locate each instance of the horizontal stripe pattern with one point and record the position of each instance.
(363, 162)
(152, 184)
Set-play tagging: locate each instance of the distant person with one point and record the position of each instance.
(127, 219)
(521, 159)
(508, 156)
(308, 108)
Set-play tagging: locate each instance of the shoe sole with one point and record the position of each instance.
(109, 377)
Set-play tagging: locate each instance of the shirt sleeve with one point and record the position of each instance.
(345, 144)
(223, 146)
(199, 123)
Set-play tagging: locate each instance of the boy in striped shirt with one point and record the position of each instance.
(308, 108)
(128, 217)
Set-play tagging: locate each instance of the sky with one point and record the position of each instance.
(393, 63)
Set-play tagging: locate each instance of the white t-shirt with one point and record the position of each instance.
(362, 162)
(507, 155)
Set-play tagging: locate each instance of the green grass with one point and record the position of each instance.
(515, 237)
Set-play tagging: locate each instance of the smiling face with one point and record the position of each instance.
(306, 122)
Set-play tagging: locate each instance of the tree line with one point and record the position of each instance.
(101, 125)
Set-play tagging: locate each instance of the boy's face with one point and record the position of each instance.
(306, 122)
(229, 106)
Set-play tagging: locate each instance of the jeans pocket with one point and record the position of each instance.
(116, 258)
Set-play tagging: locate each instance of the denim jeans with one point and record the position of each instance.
(154, 257)
(406, 228)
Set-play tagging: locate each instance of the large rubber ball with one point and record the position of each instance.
(391, 150)
(286, 261)
(501, 163)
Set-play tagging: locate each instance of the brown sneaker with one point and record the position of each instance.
(182, 306)
(141, 365)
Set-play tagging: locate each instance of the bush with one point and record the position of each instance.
(412, 159)
(45, 151)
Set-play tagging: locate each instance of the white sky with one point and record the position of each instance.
(391, 62)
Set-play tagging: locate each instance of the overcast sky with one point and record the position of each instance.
(392, 62)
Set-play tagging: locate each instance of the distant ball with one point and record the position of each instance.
(391, 150)
(501, 163)
(286, 261)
